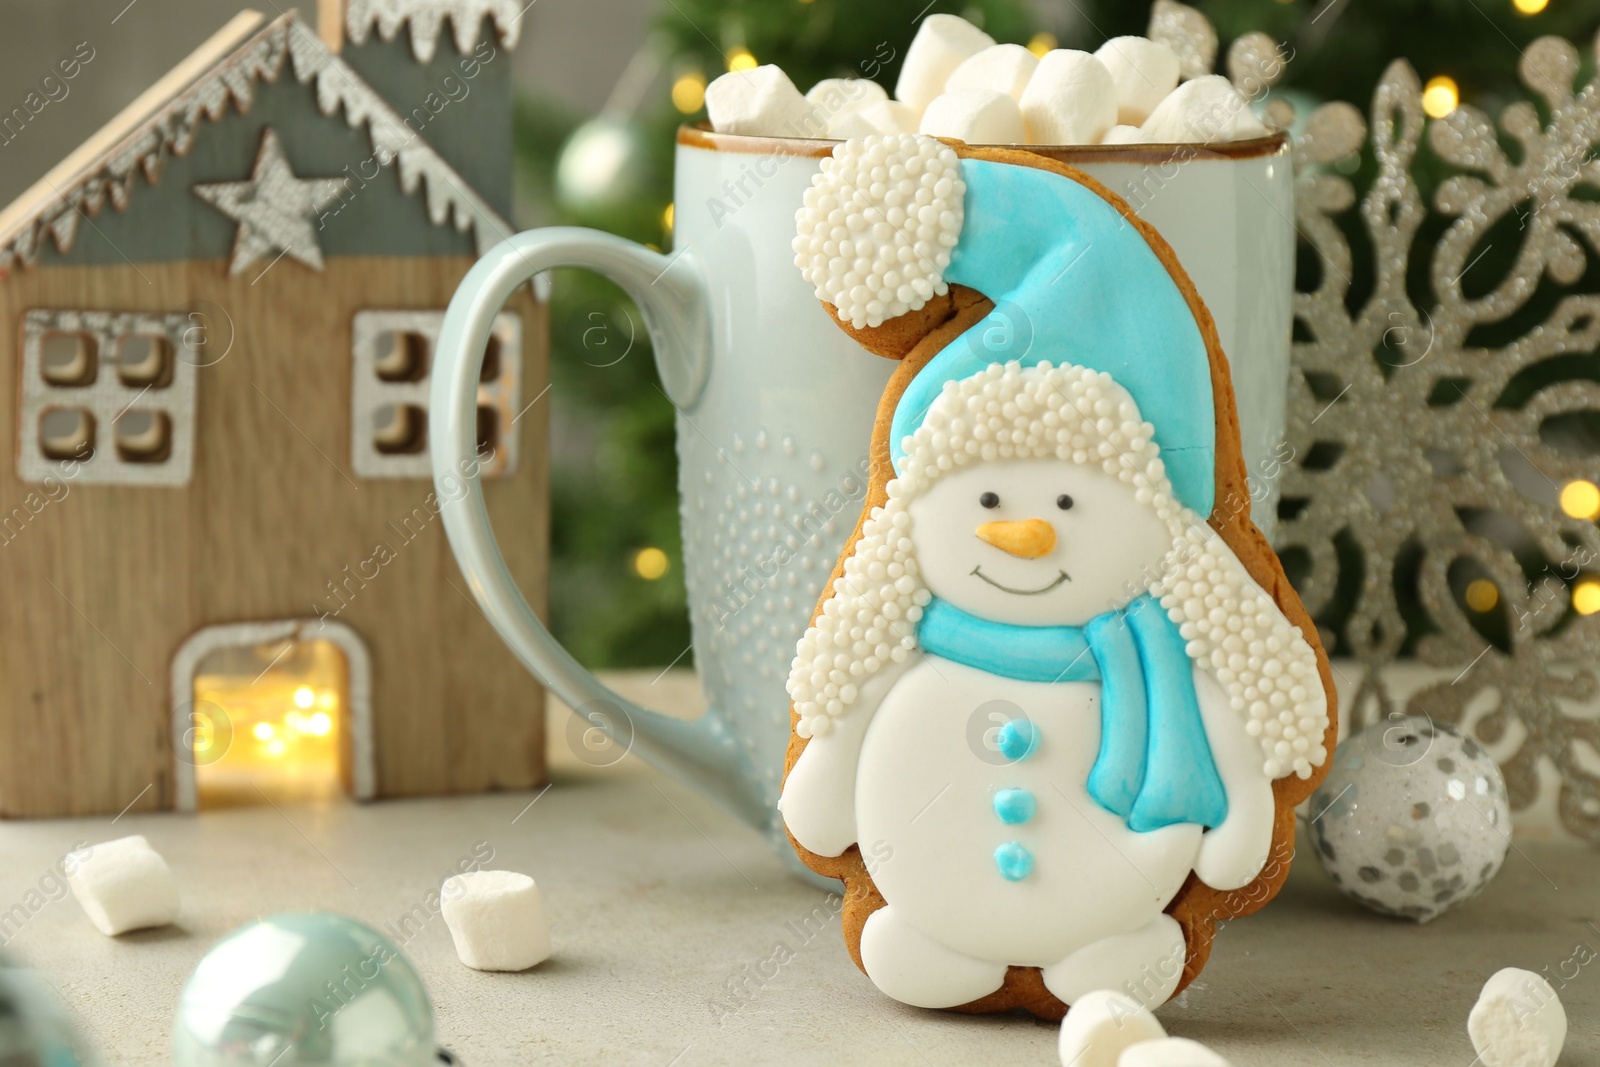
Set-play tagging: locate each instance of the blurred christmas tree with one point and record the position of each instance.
(616, 587)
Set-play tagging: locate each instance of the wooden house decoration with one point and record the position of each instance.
(216, 320)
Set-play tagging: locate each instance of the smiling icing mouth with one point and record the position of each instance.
(1061, 576)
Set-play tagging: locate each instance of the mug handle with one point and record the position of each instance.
(671, 295)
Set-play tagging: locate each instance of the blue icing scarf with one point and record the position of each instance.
(1155, 766)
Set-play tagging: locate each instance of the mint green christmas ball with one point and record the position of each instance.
(34, 1029)
(304, 989)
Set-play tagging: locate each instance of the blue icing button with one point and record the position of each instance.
(1018, 739)
(1014, 860)
(1014, 806)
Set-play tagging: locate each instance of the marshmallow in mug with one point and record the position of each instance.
(976, 116)
(837, 99)
(1143, 71)
(942, 44)
(1004, 68)
(1205, 109)
(1070, 99)
(761, 101)
(1127, 92)
(886, 116)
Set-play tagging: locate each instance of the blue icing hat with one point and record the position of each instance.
(1075, 282)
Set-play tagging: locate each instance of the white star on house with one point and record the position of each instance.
(274, 209)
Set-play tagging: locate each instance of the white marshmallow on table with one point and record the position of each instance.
(1144, 72)
(123, 885)
(763, 102)
(837, 97)
(1070, 99)
(496, 920)
(1101, 1025)
(1206, 109)
(1005, 68)
(1518, 1021)
(942, 43)
(886, 116)
(976, 116)
(1170, 1052)
(1123, 135)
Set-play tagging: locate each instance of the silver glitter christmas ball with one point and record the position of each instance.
(1412, 819)
(304, 989)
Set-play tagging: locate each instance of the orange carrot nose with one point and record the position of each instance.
(1030, 538)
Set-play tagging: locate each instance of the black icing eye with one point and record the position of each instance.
(989, 500)
(1064, 502)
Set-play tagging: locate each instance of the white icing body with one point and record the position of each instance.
(923, 789)
(913, 774)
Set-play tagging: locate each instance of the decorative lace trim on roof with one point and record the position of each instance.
(426, 19)
(172, 129)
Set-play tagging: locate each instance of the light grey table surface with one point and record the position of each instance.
(660, 903)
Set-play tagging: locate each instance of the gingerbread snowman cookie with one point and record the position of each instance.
(1058, 695)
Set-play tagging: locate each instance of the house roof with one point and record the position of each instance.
(426, 18)
(164, 121)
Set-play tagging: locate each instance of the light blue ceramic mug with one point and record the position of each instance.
(774, 410)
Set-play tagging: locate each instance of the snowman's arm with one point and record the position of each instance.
(1231, 855)
(819, 796)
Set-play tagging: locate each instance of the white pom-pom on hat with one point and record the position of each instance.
(878, 224)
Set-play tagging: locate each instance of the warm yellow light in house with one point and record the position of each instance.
(1581, 499)
(689, 92)
(1586, 597)
(1530, 7)
(741, 59)
(282, 707)
(1440, 96)
(1482, 595)
(666, 219)
(1041, 42)
(650, 563)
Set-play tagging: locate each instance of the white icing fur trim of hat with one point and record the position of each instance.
(878, 223)
(1234, 629)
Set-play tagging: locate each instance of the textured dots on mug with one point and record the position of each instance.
(738, 444)
(761, 440)
(793, 493)
(817, 461)
(788, 444)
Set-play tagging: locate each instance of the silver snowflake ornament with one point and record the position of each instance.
(1438, 414)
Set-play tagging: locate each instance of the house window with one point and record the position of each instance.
(107, 398)
(393, 364)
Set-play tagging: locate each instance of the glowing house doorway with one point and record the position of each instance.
(272, 712)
